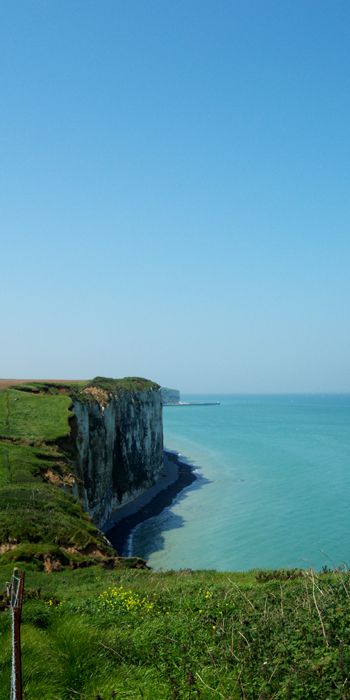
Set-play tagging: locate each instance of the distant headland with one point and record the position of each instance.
(171, 397)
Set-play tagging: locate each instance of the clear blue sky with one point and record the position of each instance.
(174, 192)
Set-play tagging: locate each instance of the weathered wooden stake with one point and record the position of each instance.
(17, 587)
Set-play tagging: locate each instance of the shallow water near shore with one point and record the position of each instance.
(274, 473)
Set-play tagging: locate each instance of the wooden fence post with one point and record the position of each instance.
(17, 587)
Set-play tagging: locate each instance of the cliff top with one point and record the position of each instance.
(78, 386)
(115, 386)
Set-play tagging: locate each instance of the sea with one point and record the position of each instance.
(272, 487)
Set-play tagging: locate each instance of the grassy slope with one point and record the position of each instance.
(96, 633)
(92, 633)
(33, 417)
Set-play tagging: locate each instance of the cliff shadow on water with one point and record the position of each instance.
(120, 535)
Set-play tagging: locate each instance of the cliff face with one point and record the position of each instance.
(120, 448)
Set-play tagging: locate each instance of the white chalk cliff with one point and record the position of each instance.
(119, 448)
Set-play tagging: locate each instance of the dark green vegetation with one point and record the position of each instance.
(93, 633)
(98, 631)
(32, 417)
(117, 386)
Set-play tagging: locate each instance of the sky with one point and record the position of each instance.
(174, 192)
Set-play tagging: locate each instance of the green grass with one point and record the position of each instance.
(33, 417)
(20, 463)
(181, 635)
(120, 385)
(46, 514)
(52, 388)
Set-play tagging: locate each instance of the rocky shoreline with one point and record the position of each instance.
(177, 475)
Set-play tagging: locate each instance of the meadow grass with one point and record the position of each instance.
(94, 633)
(33, 417)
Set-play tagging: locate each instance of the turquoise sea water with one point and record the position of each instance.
(273, 487)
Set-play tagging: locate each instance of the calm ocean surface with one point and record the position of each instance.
(273, 487)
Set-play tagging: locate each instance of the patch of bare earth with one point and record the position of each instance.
(51, 564)
(99, 395)
(59, 479)
(7, 547)
(90, 550)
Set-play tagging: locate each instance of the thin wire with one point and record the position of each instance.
(13, 605)
(14, 591)
(13, 668)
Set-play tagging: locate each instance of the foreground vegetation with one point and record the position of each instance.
(96, 629)
(99, 634)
